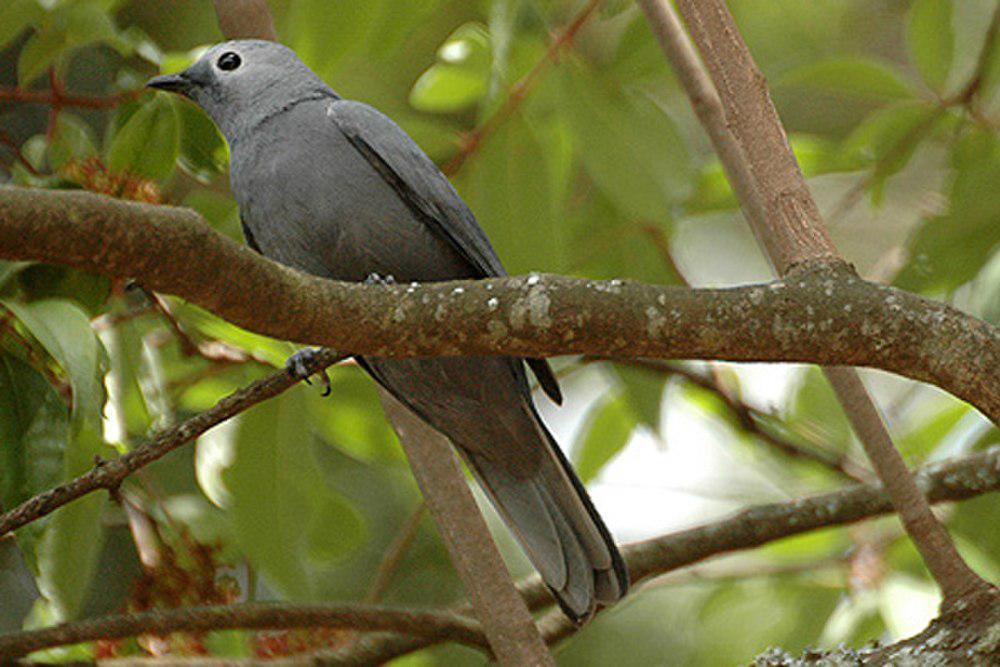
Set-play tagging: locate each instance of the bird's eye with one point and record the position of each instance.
(229, 61)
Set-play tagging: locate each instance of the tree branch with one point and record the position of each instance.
(507, 624)
(951, 480)
(505, 618)
(395, 553)
(751, 141)
(428, 624)
(748, 419)
(110, 474)
(58, 98)
(819, 314)
(473, 141)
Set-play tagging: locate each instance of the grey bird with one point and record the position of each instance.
(335, 188)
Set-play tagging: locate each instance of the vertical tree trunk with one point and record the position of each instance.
(748, 136)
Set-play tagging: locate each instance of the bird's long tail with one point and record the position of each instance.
(555, 521)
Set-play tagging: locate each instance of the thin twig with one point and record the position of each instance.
(54, 98)
(473, 141)
(905, 143)
(966, 97)
(189, 347)
(951, 480)
(110, 474)
(394, 554)
(36, 358)
(428, 624)
(749, 419)
(746, 416)
(9, 142)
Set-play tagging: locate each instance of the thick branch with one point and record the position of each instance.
(793, 233)
(820, 314)
(952, 480)
(429, 625)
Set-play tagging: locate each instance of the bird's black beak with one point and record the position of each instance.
(174, 83)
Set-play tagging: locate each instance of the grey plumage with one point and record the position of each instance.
(335, 188)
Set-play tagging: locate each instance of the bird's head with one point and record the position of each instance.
(240, 81)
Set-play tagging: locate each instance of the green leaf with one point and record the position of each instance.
(815, 411)
(950, 249)
(87, 23)
(353, 422)
(73, 140)
(971, 522)
(123, 341)
(71, 25)
(758, 612)
(460, 77)
(614, 7)
(211, 326)
(446, 88)
(630, 250)
(991, 75)
(469, 45)
(513, 191)
(852, 77)
(889, 138)
(65, 333)
(931, 40)
(17, 587)
(48, 281)
(607, 430)
(644, 393)
(17, 16)
(71, 546)
(628, 144)
(311, 22)
(40, 51)
(284, 516)
(34, 429)
(149, 142)
(816, 156)
(10, 270)
(919, 443)
(203, 152)
(986, 292)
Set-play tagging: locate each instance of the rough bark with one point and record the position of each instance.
(787, 220)
(436, 625)
(819, 314)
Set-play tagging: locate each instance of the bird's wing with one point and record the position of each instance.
(248, 235)
(429, 194)
(417, 181)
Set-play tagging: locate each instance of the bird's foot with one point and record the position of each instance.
(376, 279)
(300, 363)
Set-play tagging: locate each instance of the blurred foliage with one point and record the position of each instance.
(592, 164)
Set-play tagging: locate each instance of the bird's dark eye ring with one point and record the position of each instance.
(229, 61)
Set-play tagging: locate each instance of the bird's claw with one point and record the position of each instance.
(376, 279)
(298, 366)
